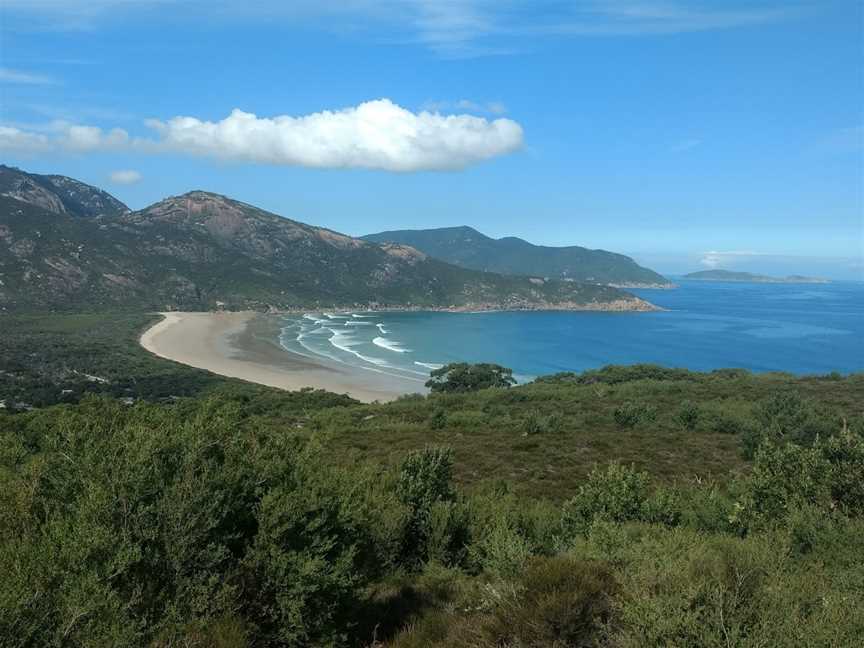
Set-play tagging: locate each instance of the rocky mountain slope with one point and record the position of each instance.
(466, 247)
(203, 250)
(58, 194)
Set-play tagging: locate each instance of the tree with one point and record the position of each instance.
(460, 377)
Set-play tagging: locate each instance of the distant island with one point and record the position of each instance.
(466, 247)
(749, 277)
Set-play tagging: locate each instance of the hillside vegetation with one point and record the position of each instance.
(466, 247)
(627, 506)
(201, 251)
(276, 519)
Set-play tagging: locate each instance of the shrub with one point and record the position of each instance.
(789, 417)
(845, 454)
(303, 562)
(423, 485)
(438, 420)
(686, 588)
(617, 374)
(447, 534)
(501, 551)
(460, 377)
(467, 419)
(631, 414)
(783, 476)
(535, 423)
(617, 493)
(727, 421)
(687, 415)
(560, 601)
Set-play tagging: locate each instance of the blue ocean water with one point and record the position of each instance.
(799, 328)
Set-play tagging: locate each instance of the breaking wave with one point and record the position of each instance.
(390, 345)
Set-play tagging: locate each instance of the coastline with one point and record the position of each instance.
(243, 345)
(634, 305)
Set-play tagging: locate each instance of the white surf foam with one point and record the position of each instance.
(429, 365)
(390, 345)
(344, 343)
(309, 351)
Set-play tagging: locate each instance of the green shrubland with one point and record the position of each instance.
(732, 514)
(205, 522)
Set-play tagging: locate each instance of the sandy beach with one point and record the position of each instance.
(244, 345)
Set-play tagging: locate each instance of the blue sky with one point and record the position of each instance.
(688, 134)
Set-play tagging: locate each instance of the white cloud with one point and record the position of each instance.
(125, 176)
(21, 141)
(61, 136)
(82, 139)
(374, 135)
(715, 259)
(8, 75)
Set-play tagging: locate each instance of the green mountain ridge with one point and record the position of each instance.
(202, 250)
(749, 277)
(464, 246)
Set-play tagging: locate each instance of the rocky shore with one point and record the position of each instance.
(635, 305)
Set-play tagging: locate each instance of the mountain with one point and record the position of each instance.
(58, 194)
(466, 247)
(749, 277)
(202, 250)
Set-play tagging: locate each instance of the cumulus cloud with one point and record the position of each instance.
(374, 135)
(125, 176)
(61, 136)
(21, 141)
(92, 138)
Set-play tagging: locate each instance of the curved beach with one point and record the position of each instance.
(243, 345)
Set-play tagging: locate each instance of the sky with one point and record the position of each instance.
(688, 134)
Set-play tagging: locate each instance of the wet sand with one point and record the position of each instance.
(244, 345)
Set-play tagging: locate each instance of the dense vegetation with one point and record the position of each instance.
(461, 377)
(49, 359)
(200, 523)
(628, 506)
(202, 250)
(466, 247)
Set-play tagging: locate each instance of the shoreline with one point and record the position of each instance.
(242, 345)
(635, 305)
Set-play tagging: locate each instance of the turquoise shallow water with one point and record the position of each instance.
(798, 328)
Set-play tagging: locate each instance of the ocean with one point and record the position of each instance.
(797, 328)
